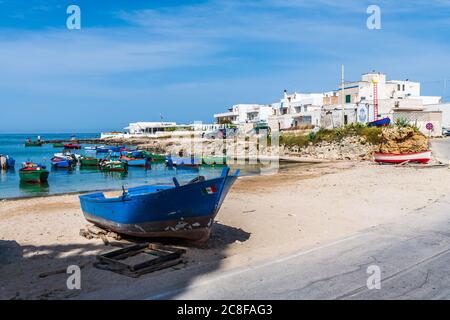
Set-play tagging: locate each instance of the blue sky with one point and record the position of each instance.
(134, 60)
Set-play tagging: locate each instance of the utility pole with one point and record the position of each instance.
(342, 97)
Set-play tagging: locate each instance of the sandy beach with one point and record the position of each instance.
(263, 216)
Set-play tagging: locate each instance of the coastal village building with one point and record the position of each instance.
(394, 99)
(159, 129)
(240, 114)
(295, 110)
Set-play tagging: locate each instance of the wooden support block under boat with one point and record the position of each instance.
(138, 259)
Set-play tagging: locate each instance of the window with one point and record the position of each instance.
(403, 87)
(348, 98)
(398, 87)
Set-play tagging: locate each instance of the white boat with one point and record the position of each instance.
(67, 156)
(418, 157)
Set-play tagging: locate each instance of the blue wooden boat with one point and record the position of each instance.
(58, 162)
(114, 154)
(380, 122)
(115, 148)
(135, 162)
(102, 149)
(180, 211)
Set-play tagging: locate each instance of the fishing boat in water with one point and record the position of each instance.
(59, 162)
(180, 211)
(115, 148)
(214, 162)
(89, 162)
(6, 162)
(183, 163)
(380, 122)
(134, 162)
(58, 145)
(113, 165)
(72, 146)
(72, 157)
(30, 143)
(414, 157)
(154, 156)
(102, 149)
(33, 173)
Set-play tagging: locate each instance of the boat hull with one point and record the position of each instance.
(36, 176)
(186, 211)
(160, 229)
(416, 157)
(114, 167)
(92, 162)
(33, 144)
(61, 164)
(380, 122)
(72, 146)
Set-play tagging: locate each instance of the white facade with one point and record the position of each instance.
(391, 93)
(445, 109)
(148, 127)
(245, 113)
(297, 109)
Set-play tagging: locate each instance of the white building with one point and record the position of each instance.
(295, 110)
(391, 94)
(244, 113)
(142, 128)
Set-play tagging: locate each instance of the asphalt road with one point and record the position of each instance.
(413, 257)
(441, 148)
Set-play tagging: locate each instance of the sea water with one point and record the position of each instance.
(79, 179)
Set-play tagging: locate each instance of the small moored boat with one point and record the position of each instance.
(30, 143)
(135, 162)
(417, 157)
(59, 162)
(102, 149)
(112, 165)
(89, 161)
(58, 145)
(380, 122)
(214, 162)
(72, 146)
(154, 156)
(33, 172)
(180, 211)
(182, 163)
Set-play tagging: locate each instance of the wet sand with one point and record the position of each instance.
(262, 217)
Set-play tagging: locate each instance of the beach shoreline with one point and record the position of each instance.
(262, 217)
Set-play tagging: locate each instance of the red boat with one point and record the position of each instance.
(72, 146)
(418, 157)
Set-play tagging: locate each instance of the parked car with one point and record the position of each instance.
(445, 132)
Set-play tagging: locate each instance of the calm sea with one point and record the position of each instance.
(80, 180)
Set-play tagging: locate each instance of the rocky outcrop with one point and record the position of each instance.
(348, 148)
(402, 140)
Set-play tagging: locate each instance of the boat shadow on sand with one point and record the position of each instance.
(39, 272)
